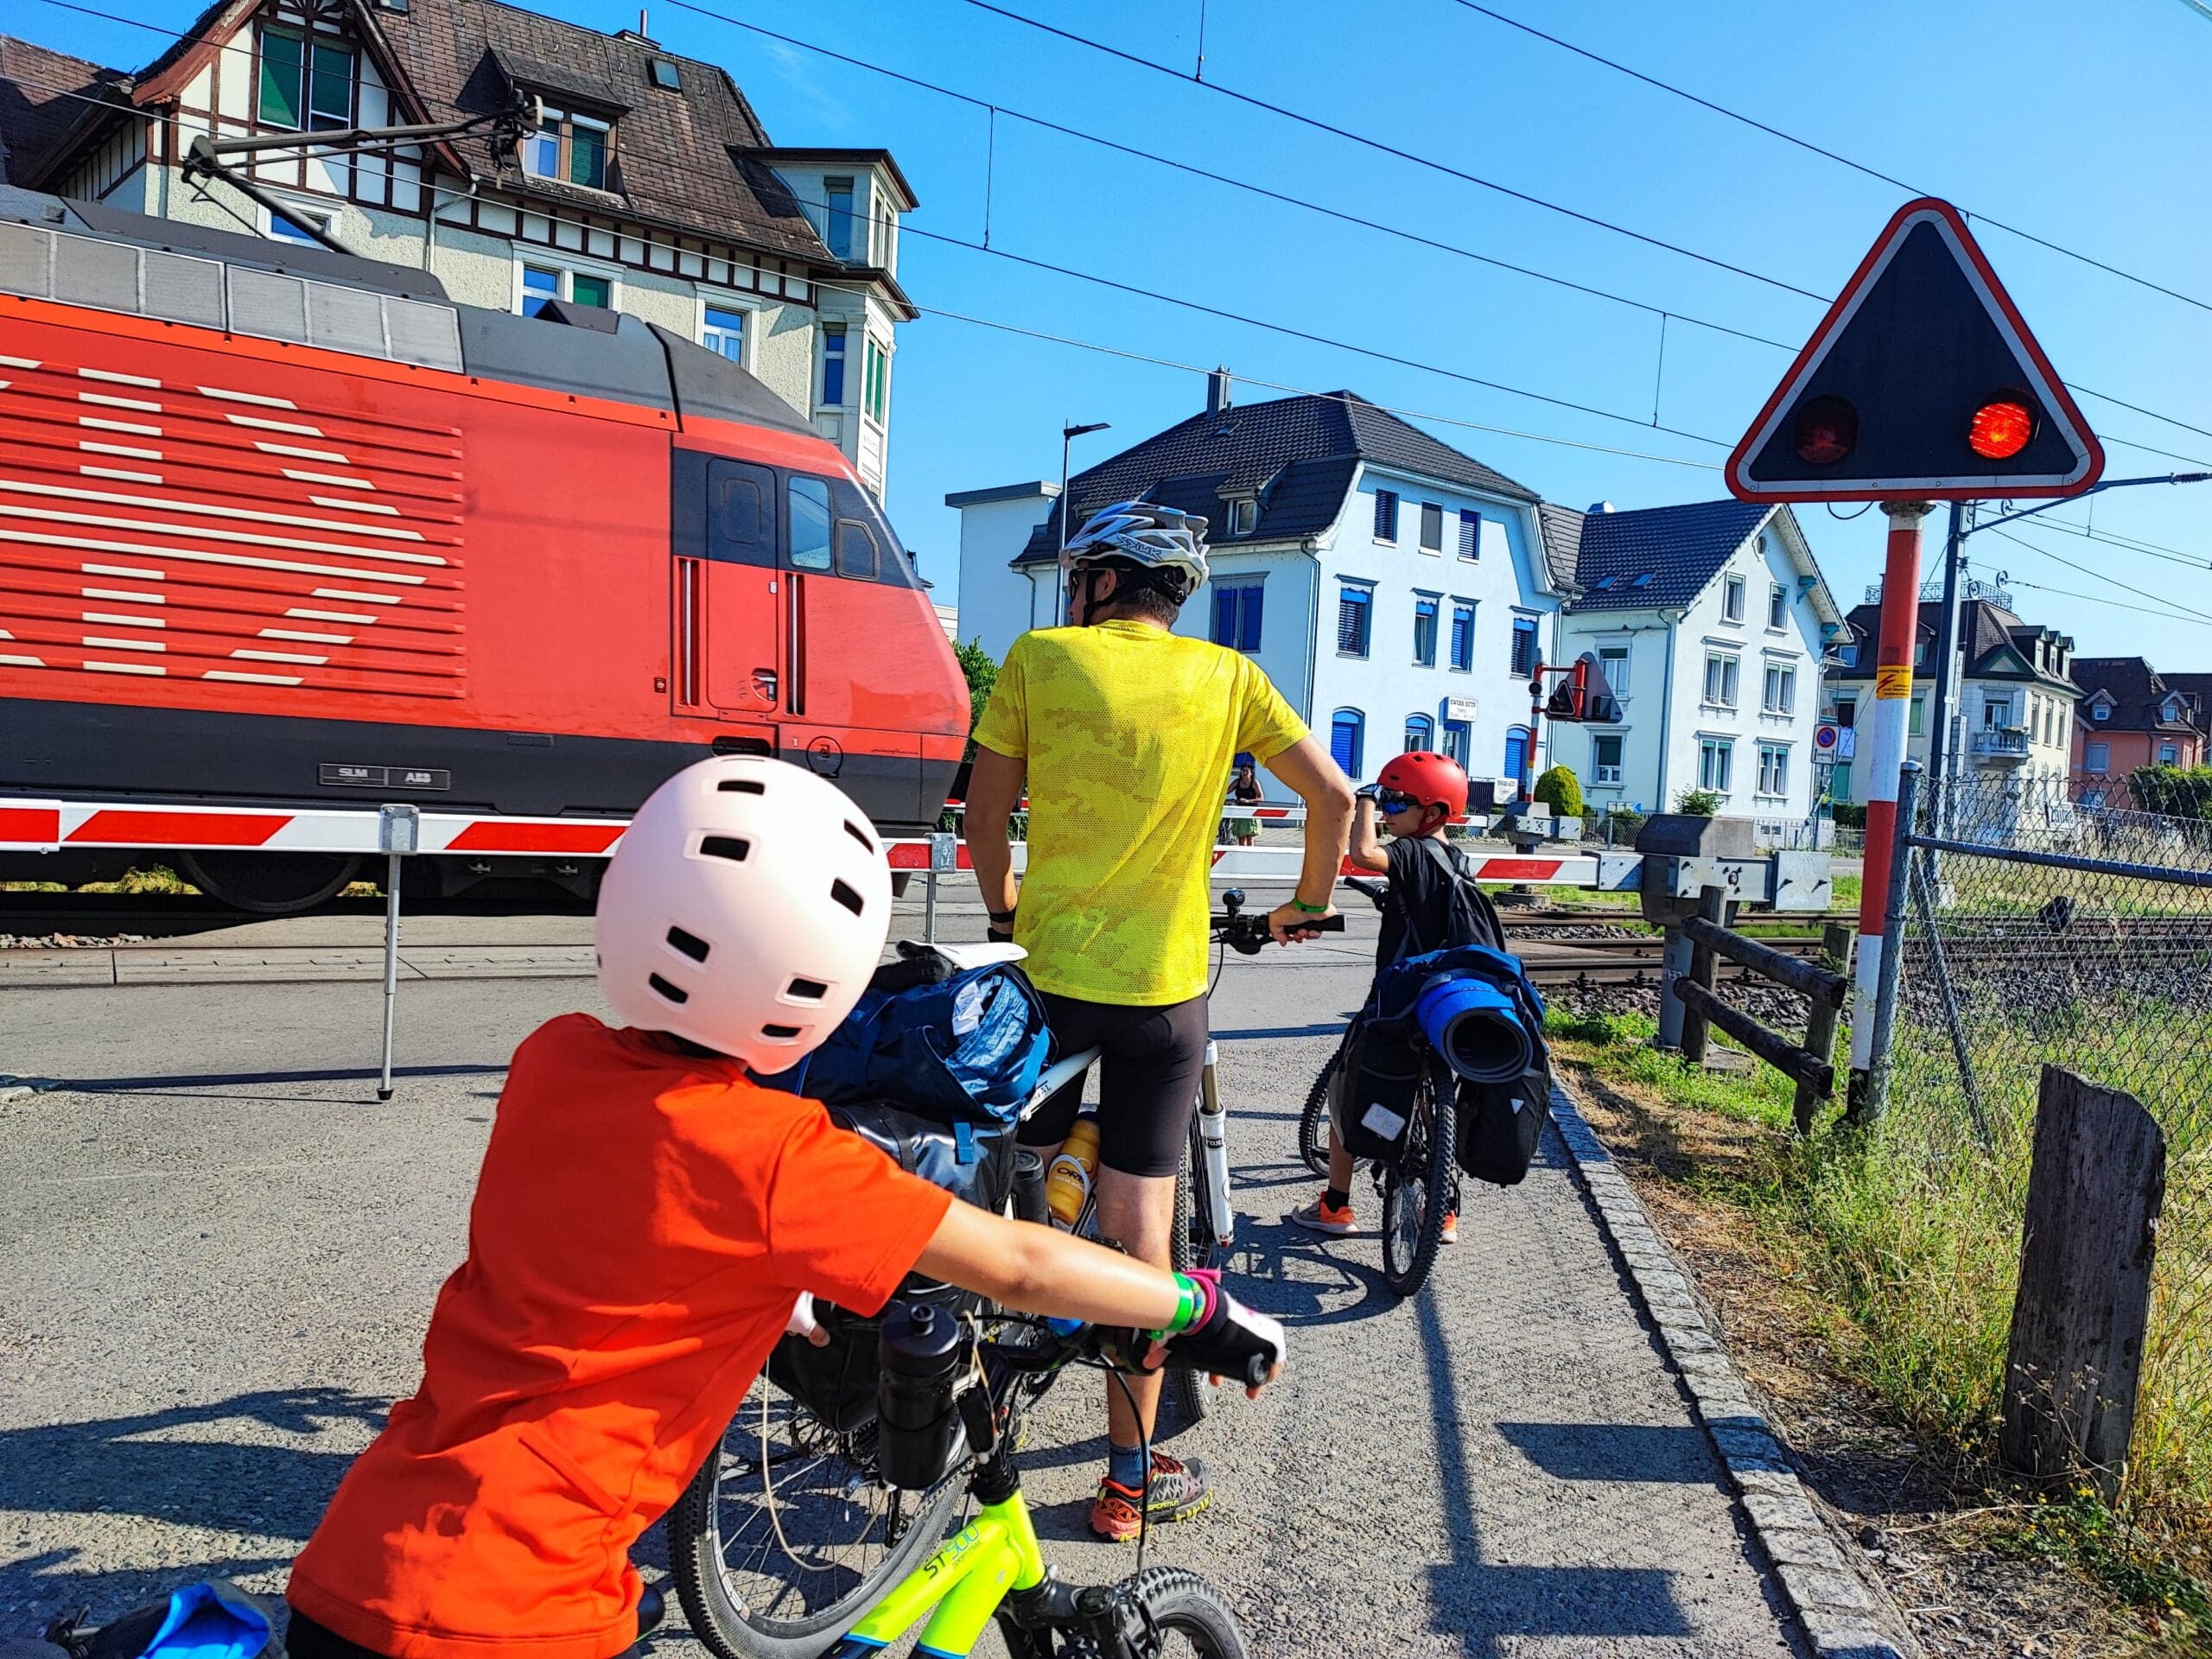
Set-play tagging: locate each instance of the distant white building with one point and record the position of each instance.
(1395, 590)
(1709, 619)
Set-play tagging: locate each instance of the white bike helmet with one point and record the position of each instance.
(1158, 537)
(744, 910)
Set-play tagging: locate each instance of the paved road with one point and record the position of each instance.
(215, 1270)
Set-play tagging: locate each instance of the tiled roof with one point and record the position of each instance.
(678, 154)
(2139, 693)
(42, 96)
(1985, 628)
(1658, 556)
(1299, 455)
(1562, 528)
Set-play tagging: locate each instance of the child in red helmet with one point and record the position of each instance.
(1416, 796)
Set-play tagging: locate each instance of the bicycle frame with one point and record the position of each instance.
(957, 1589)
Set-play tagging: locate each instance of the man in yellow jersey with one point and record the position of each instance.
(1123, 731)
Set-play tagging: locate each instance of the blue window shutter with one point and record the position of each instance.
(1386, 515)
(1224, 616)
(1517, 753)
(1248, 638)
(1351, 621)
(1524, 647)
(1471, 533)
(1463, 636)
(1344, 740)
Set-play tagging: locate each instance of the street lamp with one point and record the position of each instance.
(1068, 434)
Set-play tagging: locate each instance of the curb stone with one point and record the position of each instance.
(1826, 1580)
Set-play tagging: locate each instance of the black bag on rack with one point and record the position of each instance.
(1500, 1123)
(1376, 1087)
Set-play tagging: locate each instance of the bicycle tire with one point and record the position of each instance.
(1314, 1128)
(1416, 1191)
(1189, 1395)
(1177, 1602)
(696, 1555)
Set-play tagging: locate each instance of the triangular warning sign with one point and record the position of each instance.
(1920, 384)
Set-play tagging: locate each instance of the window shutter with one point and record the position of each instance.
(1524, 647)
(1352, 621)
(1386, 515)
(1471, 527)
(1224, 616)
(1249, 636)
(1344, 742)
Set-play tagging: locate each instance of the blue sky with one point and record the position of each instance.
(2079, 124)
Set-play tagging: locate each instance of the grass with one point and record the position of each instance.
(1911, 1232)
(157, 878)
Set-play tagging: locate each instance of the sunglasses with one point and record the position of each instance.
(1393, 802)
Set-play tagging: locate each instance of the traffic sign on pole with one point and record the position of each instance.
(1921, 384)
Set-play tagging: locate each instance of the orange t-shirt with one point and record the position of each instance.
(642, 1224)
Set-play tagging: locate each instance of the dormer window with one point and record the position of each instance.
(837, 216)
(305, 84)
(2100, 710)
(569, 149)
(2172, 709)
(1243, 516)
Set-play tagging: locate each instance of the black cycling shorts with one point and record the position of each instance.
(1150, 1060)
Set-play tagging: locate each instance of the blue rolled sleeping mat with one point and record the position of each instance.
(1475, 1026)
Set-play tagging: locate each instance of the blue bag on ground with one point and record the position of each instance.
(965, 1049)
(214, 1619)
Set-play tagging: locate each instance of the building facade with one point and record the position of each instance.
(1709, 621)
(650, 187)
(1395, 590)
(2129, 717)
(2015, 716)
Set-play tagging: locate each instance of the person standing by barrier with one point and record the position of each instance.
(1121, 732)
(1433, 903)
(1244, 790)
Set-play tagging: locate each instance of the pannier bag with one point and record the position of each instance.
(211, 1620)
(1475, 1026)
(1376, 1085)
(1499, 1124)
(967, 1048)
(974, 1162)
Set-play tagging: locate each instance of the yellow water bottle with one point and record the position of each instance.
(1068, 1183)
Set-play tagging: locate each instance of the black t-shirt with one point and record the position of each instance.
(1419, 887)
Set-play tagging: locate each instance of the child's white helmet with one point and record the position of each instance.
(744, 910)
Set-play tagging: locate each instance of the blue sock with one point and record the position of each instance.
(1125, 1466)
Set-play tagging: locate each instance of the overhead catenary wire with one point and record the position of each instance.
(2176, 609)
(1807, 145)
(646, 239)
(993, 109)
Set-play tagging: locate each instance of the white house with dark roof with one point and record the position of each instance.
(1397, 591)
(651, 189)
(1710, 619)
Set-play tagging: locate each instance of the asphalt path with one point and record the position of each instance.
(217, 1251)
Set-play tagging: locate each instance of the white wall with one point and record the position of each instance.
(996, 604)
(1387, 685)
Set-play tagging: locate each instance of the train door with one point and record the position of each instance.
(729, 597)
(869, 662)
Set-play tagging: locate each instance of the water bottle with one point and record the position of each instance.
(1029, 1201)
(918, 1425)
(1068, 1186)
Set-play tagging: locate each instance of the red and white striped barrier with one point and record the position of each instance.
(37, 826)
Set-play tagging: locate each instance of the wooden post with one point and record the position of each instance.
(1820, 1024)
(1712, 907)
(2094, 1192)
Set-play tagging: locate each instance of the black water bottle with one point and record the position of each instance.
(1030, 1203)
(918, 1424)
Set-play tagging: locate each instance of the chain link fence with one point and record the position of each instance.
(2094, 952)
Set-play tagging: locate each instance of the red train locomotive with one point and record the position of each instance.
(289, 532)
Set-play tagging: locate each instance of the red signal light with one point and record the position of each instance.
(1826, 430)
(2002, 427)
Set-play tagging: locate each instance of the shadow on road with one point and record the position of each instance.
(1656, 1452)
(256, 1482)
(241, 1079)
(1480, 1602)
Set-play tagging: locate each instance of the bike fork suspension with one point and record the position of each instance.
(1213, 1139)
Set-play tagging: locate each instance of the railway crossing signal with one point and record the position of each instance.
(1921, 384)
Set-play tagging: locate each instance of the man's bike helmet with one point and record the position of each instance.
(1158, 539)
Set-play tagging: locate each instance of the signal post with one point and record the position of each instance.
(1921, 385)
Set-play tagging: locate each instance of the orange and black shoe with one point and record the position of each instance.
(1322, 1216)
(1179, 1490)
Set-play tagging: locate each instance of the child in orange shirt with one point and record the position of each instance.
(644, 1220)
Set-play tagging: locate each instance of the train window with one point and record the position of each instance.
(809, 522)
(741, 513)
(856, 550)
(857, 506)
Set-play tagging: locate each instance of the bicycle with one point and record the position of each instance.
(785, 1486)
(1418, 1188)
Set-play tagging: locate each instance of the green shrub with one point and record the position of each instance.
(1561, 791)
(1697, 803)
(1848, 816)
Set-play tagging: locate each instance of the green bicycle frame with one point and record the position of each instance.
(958, 1588)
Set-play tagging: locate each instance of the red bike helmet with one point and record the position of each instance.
(1431, 779)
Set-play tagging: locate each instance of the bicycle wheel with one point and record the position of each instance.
(1192, 1617)
(1314, 1127)
(1417, 1191)
(782, 1574)
(1189, 1395)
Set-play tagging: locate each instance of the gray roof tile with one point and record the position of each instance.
(1658, 556)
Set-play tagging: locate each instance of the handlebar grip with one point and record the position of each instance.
(1255, 1371)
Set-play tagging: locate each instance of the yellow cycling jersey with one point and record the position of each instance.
(1129, 733)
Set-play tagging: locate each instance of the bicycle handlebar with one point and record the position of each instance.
(1246, 933)
(1089, 1343)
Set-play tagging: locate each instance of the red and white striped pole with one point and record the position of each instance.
(1892, 710)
